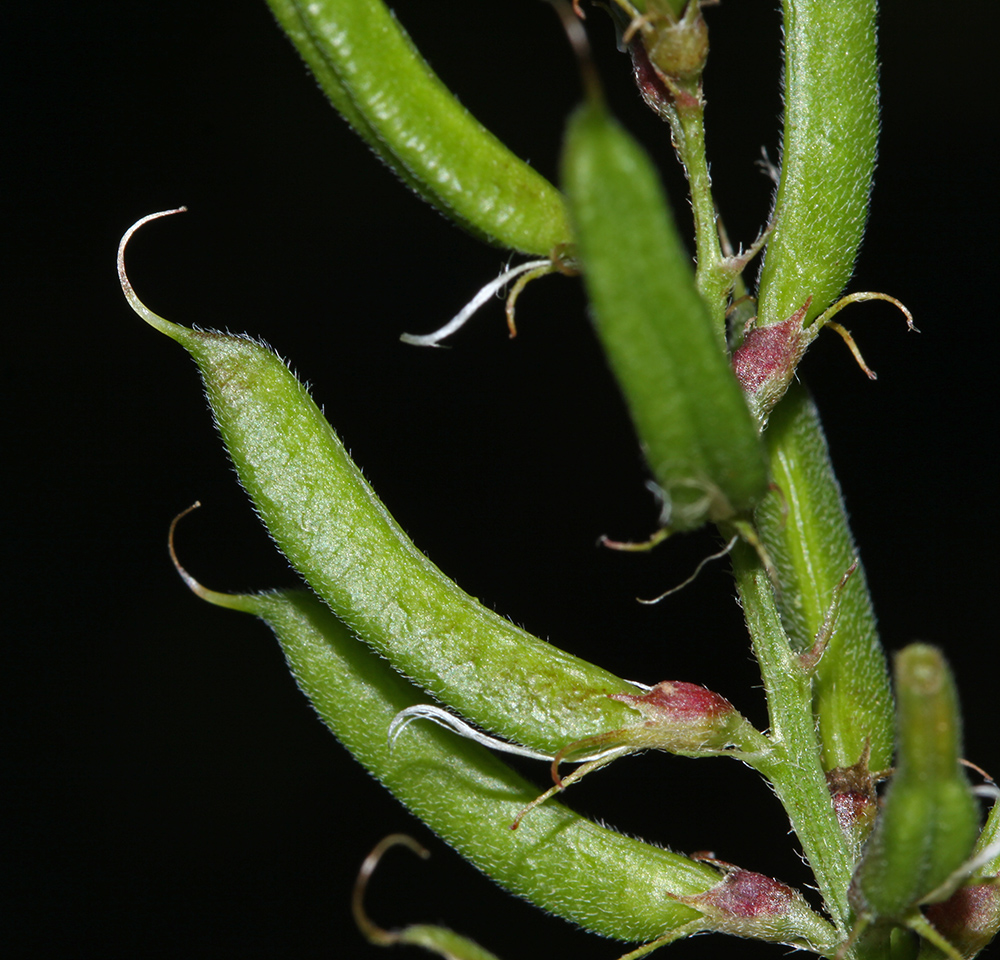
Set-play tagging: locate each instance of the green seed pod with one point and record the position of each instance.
(333, 529)
(930, 817)
(372, 73)
(827, 157)
(803, 527)
(592, 876)
(605, 882)
(688, 409)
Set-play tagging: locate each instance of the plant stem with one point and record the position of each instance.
(689, 134)
(687, 125)
(794, 767)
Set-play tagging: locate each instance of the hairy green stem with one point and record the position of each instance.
(688, 125)
(794, 767)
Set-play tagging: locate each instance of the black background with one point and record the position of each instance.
(169, 791)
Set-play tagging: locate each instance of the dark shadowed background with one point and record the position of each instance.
(168, 791)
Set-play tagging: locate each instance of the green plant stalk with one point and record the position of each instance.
(592, 876)
(669, 52)
(794, 768)
(828, 155)
(804, 529)
(713, 280)
(375, 77)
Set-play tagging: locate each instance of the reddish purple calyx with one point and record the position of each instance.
(679, 702)
(852, 808)
(683, 718)
(968, 917)
(765, 362)
(748, 895)
(765, 354)
(852, 790)
(750, 904)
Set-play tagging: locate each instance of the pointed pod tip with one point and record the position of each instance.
(245, 603)
(164, 326)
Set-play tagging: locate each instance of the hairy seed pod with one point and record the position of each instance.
(804, 528)
(614, 885)
(688, 409)
(827, 156)
(333, 529)
(930, 817)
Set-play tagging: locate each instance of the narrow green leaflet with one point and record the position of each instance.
(376, 78)
(699, 438)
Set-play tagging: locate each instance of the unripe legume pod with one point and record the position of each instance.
(333, 529)
(689, 411)
(930, 818)
(804, 528)
(827, 158)
(606, 882)
(376, 78)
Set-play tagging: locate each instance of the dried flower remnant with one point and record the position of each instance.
(852, 790)
(766, 361)
(685, 718)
